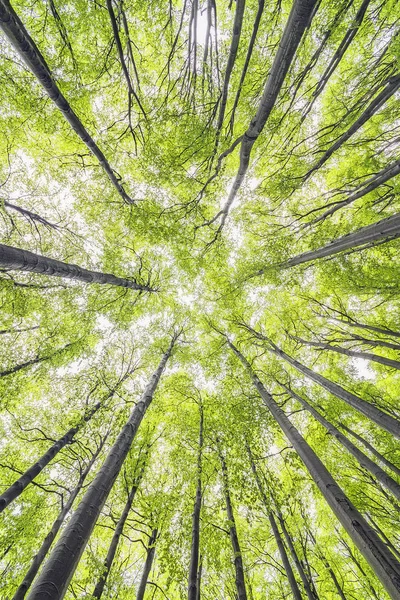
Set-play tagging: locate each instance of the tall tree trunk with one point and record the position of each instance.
(48, 540)
(151, 549)
(199, 573)
(377, 233)
(26, 478)
(388, 362)
(296, 560)
(381, 560)
(237, 553)
(24, 260)
(99, 588)
(331, 572)
(382, 419)
(364, 461)
(194, 553)
(34, 361)
(59, 569)
(373, 450)
(16, 33)
(299, 18)
(384, 331)
(279, 542)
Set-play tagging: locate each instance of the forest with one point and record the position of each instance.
(199, 293)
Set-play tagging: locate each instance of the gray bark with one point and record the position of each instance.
(45, 547)
(23, 260)
(381, 560)
(364, 461)
(18, 36)
(373, 450)
(57, 572)
(151, 549)
(279, 542)
(194, 552)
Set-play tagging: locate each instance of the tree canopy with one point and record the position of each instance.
(199, 283)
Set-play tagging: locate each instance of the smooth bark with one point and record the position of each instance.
(151, 549)
(237, 553)
(195, 547)
(53, 581)
(45, 547)
(381, 560)
(33, 361)
(23, 260)
(279, 542)
(18, 36)
(373, 450)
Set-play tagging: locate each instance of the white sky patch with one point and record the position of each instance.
(363, 368)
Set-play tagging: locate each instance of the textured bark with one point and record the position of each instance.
(279, 542)
(34, 361)
(373, 450)
(99, 588)
(45, 547)
(151, 549)
(298, 20)
(18, 36)
(237, 553)
(382, 419)
(371, 235)
(57, 572)
(199, 573)
(23, 260)
(381, 560)
(364, 461)
(26, 478)
(388, 362)
(296, 560)
(391, 87)
(195, 547)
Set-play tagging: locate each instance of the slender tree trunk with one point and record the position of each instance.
(194, 553)
(373, 450)
(48, 540)
(199, 573)
(382, 419)
(59, 569)
(377, 233)
(390, 88)
(381, 560)
(279, 542)
(364, 461)
(374, 343)
(26, 478)
(34, 361)
(383, 536)
(374, 328)
(296, 560)
(18, 36)
(331, 572)
(151, 549)
(298, 20)
(23, 260)
(237, 553)
(99, 588)
(388, 362)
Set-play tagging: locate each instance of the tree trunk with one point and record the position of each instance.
(199, 573)
(296, 560)
(59, 569)
(377, 233)
(388, 362)
(331, 572)
(239, 570)
(151, 549)
(279, 542)
(194, 553)
(24, 260)
(18, 36)
(381, 560)
(18, 486)
(299, 19)
(48, 540)
(373, 451)
(382, 419)
(391, 87)
(34, 361)
(364, 461)
(352, 323)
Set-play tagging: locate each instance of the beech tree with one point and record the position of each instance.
(199, 294)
